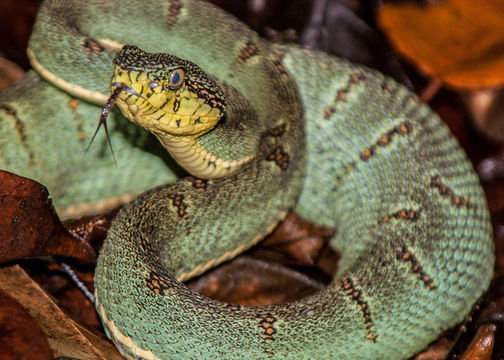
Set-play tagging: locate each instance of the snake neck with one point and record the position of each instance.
(225, 149)
(197, 160)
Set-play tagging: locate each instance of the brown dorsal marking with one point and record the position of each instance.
(18, 123)
(249, 50)
(356, 294)
(456, 200)
(279, 55)
(405, 255)
(328, 111)
(178, 202)
(233, 307)
(276, 131)
(198, 183)
(19, 126)
(173, 12)
(92, 46)
(280, 157)
(266, 324)
(386, 86)
(385, 140)
(73, 104)
(157, 284)
(342, 93)
(404, 214)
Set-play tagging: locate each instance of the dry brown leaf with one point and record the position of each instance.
(20, 335)
(65, 337)
(298, 241)
(9, 73)
(482, 345)
(250, 281)
(436, 351)
(29, 225)
(459, 41)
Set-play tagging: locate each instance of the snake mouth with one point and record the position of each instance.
(126, 88)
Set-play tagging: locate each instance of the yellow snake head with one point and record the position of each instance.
(166, 95)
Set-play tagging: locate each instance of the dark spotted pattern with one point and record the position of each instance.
(92, 46)
(405, 255)
(249, 50)
(341, 95)
(385, 139)
(266, 323)
(199, 183)
(157, 284)
(279, 55)
(275, 132)
(405, 214)
(178, 202)
(280, 157)
(348, 286)
(456, 200)
(19, 126)
(173, 12)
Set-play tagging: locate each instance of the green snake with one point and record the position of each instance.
(259, 127)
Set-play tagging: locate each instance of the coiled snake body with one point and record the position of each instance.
(369, 159)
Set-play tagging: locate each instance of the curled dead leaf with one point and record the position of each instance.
(29, 225)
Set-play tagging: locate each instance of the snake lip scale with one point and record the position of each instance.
(260, 127)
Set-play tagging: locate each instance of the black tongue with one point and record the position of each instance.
(104, 114)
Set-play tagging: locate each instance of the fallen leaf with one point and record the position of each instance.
(250, 281)
(436, 351)
(459, 41)
(65, 336)
(29, 225)
(20, 335)
(55, 281)
(299, 242)
(482, 344)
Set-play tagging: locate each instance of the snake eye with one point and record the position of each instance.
(176, 79)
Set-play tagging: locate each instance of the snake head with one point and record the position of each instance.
(165, 94)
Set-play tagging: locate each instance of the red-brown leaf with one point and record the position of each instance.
(29, 225)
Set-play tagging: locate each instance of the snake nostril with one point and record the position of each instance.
(153, 84)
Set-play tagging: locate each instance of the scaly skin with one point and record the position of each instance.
(413, 226)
